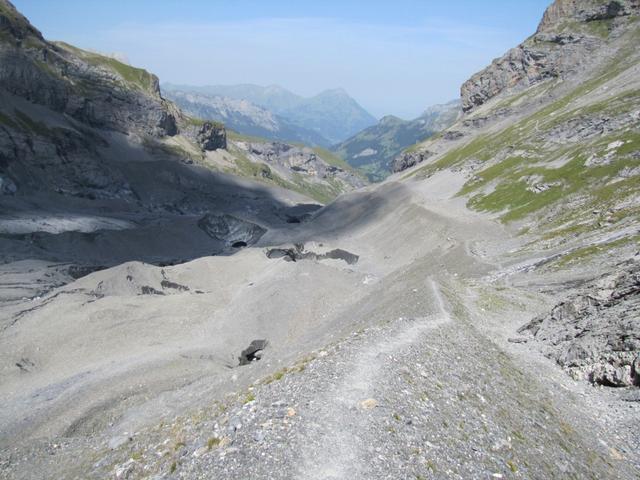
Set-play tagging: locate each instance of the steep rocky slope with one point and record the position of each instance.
(244, 117)
(63, 108)
(373, 149)
(537, 144)
(92, 156)
(550, 145)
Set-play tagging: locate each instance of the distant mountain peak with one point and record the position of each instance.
(332, 114)
(390, 119)
(334, 92)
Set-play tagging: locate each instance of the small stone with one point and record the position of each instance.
(616, 455)
(125, 470)
(258, 436)
(235, 424)
(200, 452)
(118, 441)
(291, 412)
(518, 340)
(368, 404)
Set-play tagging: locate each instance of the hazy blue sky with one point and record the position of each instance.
(393, 56)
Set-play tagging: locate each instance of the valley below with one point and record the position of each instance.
(179, 300)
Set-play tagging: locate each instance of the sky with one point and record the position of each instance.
(393, 56)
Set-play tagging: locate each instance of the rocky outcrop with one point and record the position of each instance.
(595, 334)
(209, 135)
(409, 159)
(585, 11)
(60, 106)
(212, 136)
(290, 160)
(563, 43)
(94, 89)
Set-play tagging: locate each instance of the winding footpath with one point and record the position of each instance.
(341, 412)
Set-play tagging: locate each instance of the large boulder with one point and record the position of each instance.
(212, 136)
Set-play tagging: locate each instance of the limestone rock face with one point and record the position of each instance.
(94, 89)
(303, 161)
(594, 334)
(61, 106)
(585, 11)
(569, 33)
(212, 136)
(409, 159)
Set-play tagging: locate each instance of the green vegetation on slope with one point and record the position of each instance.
(134, 77)
(522, 170)
(262, 173)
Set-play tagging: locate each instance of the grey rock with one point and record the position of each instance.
(410, 159)
(549, 53)
(235, 424)
(300, 161)
(212, 136)
(595, 334)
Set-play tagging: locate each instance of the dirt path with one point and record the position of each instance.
(338, 424)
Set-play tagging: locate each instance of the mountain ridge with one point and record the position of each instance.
(374, 149)
(332, 113)
(244, 117)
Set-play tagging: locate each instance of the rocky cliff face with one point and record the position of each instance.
(595, 334)
(93, 89)
(60, 106)
(312, 171)
(569, 33)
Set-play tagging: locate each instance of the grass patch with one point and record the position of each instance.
(31, 125)
(249, 397)
(137, 78)
(213, 442)
(582, 254)
(8, 121)
(199, 122)
(240, 137)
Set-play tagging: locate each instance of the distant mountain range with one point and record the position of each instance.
(373, 149)
(244, 117)
(332, 114)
